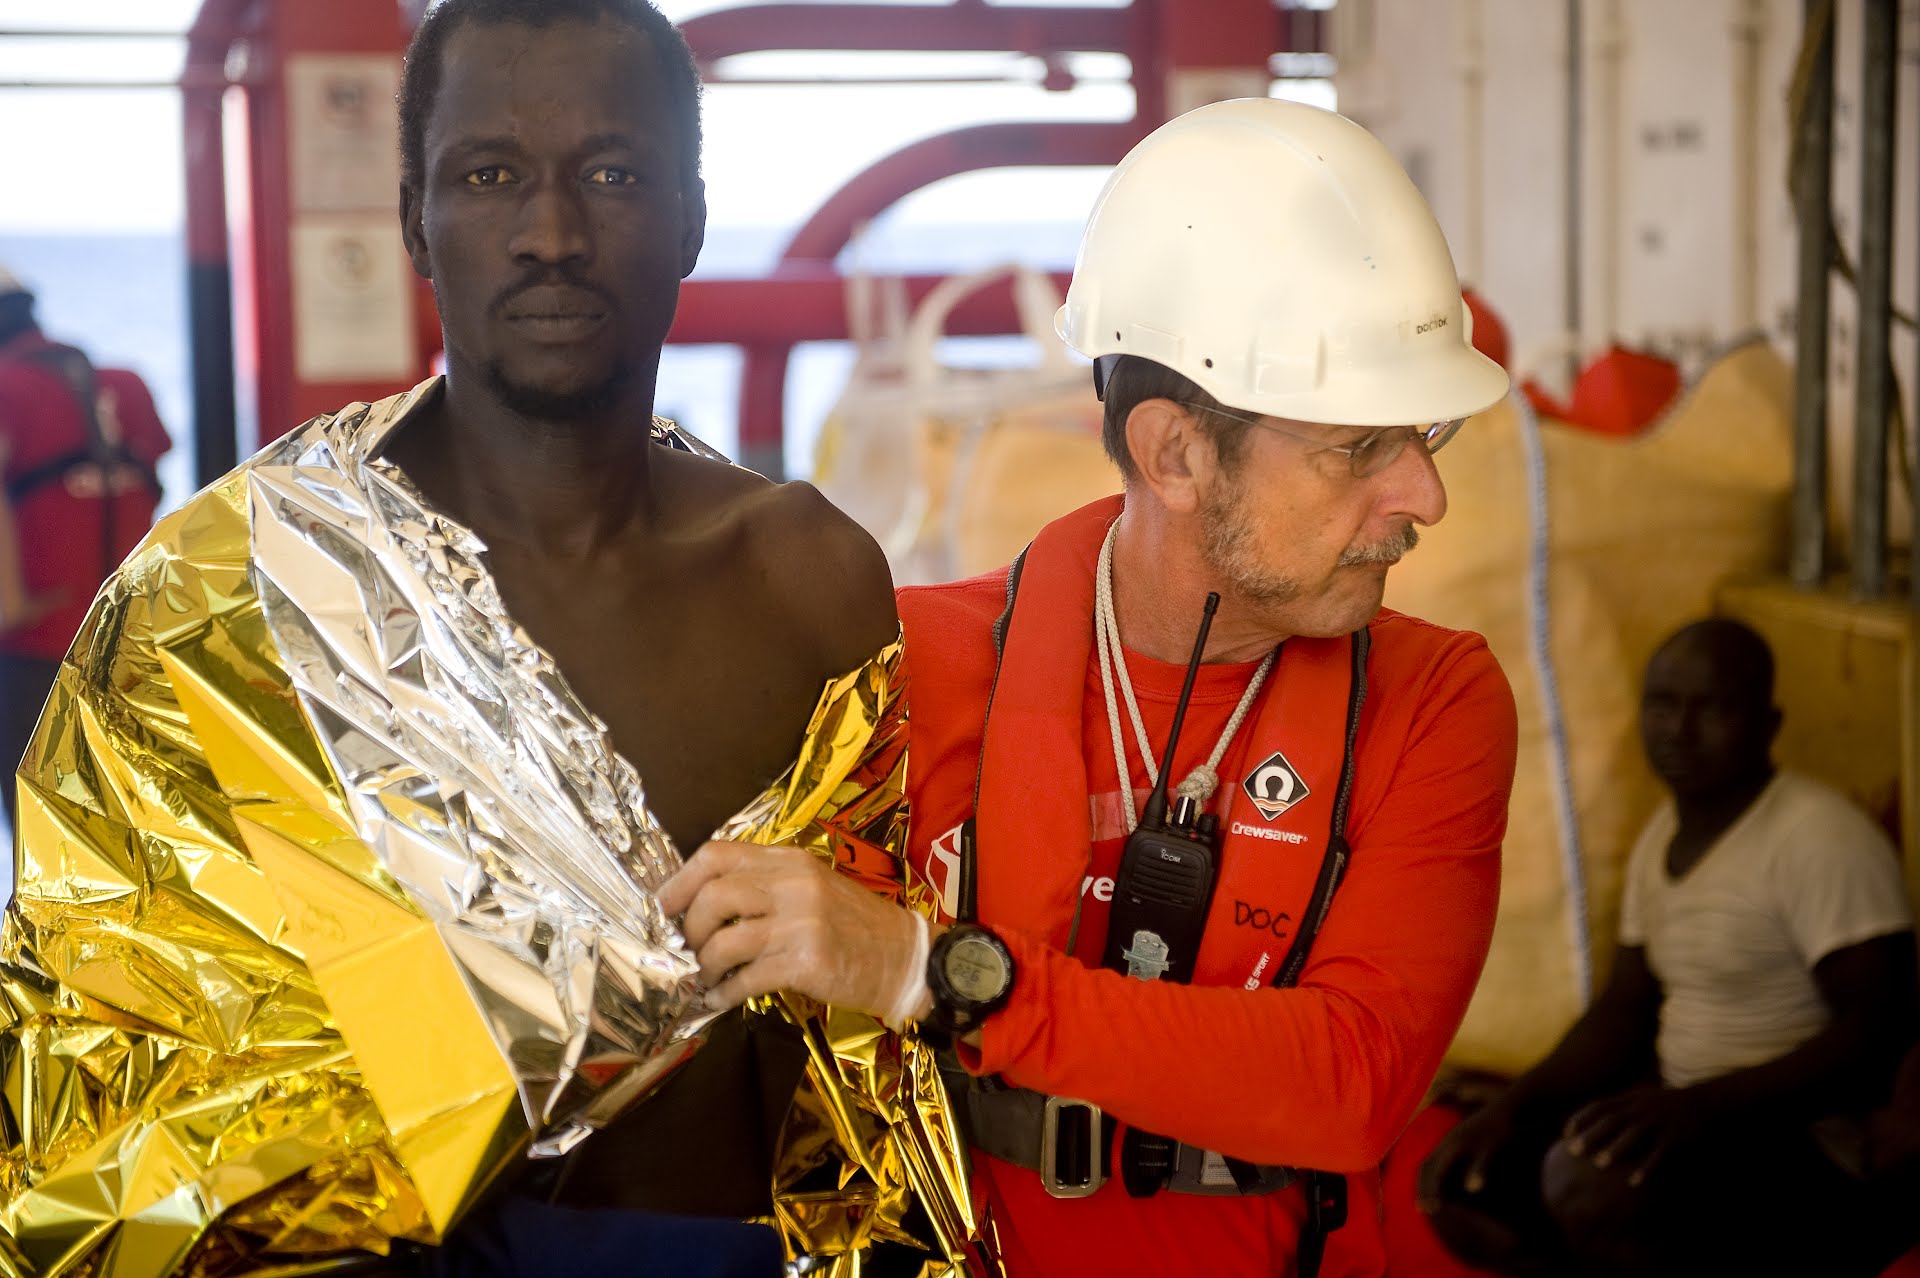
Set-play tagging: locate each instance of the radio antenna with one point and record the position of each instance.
(1155, 814)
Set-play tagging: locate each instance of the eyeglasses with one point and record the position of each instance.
(1368, 457)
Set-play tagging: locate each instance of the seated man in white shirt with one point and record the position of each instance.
(1705, 1114)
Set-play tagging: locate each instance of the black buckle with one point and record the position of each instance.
(1070, 1148)
(1147, 1162)
(1202, 1171)
(1326, 1202)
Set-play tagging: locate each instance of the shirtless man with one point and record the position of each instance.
(553, 196)
(551, 193)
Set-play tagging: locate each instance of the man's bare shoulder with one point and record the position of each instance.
(842, 584)
(825, 570)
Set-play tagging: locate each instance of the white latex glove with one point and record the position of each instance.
(763, 919)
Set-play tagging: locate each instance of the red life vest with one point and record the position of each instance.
(80, 445)
(1036, 830)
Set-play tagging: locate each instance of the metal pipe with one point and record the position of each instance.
(1473, 84)
(807, 302)
(203, 87)
(1873, 399)
(47, 33)
(942, 27)
(209, 288)
(1813, 205)
(763, 379)
(1612, 109)
(1576, 89)
(116, 86)
(886, 82)
(1749, 38)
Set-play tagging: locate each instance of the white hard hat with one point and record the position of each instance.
(1277, 255)
(10, 283)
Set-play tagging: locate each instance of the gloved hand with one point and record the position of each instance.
(763, 919)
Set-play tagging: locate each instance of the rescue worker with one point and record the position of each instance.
(1278, 335)
(78, 446)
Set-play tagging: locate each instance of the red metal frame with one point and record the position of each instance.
(276, 31)
(808, 303)
(209, 268)
(763, 386)
(962, 26)
(802, 299)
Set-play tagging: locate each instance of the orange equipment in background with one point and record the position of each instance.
(1621, 393)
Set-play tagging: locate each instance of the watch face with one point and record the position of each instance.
(977, 969)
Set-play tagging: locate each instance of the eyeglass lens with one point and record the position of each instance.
(1378, 451)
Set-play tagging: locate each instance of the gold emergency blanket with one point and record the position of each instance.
(333, 904)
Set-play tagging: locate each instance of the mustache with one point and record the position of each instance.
(1384, 551)
(548, 278)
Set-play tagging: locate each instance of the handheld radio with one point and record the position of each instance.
(1164, 886)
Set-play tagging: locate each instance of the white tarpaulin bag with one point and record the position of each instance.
(954, 469)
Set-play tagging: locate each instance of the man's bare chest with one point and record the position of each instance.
(706, 694)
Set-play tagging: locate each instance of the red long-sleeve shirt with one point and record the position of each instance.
(1324, 1075)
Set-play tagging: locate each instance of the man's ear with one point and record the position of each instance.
(413, 231)
(1172, 456)
(693, 220)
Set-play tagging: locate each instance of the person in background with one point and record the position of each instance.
(1707, 1113)
(78, 447)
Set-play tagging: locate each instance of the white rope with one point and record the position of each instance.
(1106, 638)
(1204, 779)
(1573, 861)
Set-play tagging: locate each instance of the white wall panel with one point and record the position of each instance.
(1699, 146)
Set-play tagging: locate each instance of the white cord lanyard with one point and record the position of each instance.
(1203, 780)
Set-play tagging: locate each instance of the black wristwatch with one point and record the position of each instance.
(970, 971)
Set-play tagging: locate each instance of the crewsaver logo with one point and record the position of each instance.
(1274, 786)
(943, 870)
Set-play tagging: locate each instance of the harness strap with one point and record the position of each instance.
(969, 858)
(56, 469)
(1333, 866)
(1327, 1191)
